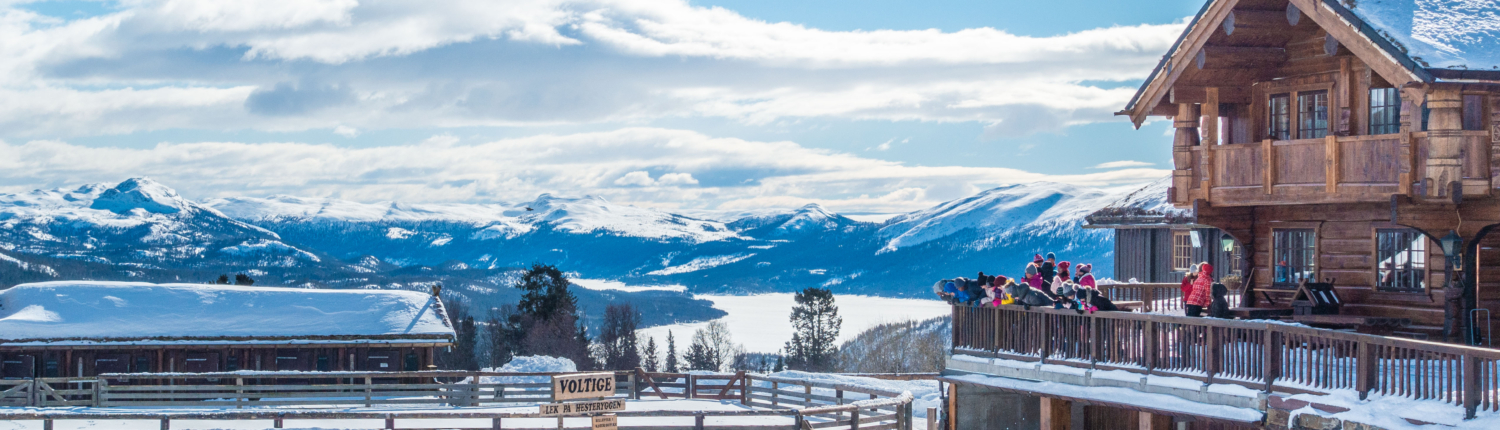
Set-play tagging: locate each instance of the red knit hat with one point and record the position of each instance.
(1063, 265)
(1038, 259)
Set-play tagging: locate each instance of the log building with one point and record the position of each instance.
(1157, 243)
(1333, 149)
(66, 329)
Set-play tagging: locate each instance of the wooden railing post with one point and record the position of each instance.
(1364, 369)
(368, 382)
(239, 393)
(1149, 330)
(1271, 365)
(854, 420)
(692, 385)
(1148, 296)
(1095, 341)
(1212, 351)
(1472, 391)
(1046, 337)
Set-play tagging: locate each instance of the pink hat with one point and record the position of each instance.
(1038, 258)
(1063, 265)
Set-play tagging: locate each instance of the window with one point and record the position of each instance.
(1312, 115)
(1233, 252)
(1402, 257)
(1295, 252)
(1182, 251)
(1473, 112)
(1385, 111)
(1281, 117)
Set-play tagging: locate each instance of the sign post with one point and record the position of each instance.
(584, 386)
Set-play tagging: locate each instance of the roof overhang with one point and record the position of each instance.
(1359, 37)
(237, 341)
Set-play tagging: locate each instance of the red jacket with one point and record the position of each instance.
(1203, 287)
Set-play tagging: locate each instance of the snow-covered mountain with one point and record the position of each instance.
(335, 243)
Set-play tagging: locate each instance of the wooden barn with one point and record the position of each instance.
(1157, 243)
(65, 329)
(1341, 148)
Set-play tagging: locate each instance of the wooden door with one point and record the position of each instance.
(111, 363)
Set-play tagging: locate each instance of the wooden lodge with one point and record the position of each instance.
(1157, 243)
(72, 329)
(1334, 152)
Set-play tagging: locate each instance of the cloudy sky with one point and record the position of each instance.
(866, 106)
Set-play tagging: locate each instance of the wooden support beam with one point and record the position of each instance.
(1268, 161)
(1331, 164)
(1244, 19)
(1196, 94)
(1239, 57)
(1057, 414)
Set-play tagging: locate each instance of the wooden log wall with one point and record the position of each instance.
(87, 361)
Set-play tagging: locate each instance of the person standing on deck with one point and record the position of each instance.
(1033, 277)
(1202, 294)
(1048, 268)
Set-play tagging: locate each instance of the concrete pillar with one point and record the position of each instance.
(1057, 414)
(1444, 141)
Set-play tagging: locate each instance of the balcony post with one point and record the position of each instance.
(1444, 142)
(1210, 138)
(1183, 142)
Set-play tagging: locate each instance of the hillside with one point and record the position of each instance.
(143, 230)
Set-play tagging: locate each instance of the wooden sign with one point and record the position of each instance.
(576, 408)
(583, 386)
(606, 422)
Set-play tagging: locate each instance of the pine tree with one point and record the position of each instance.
(671, 353)
(712, 348)
(223, 280)
(548, 319)
(241, 279)
(816, 322)
(617, 337)
(649, 356)
(779, 365)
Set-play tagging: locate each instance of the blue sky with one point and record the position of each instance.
(864, 106)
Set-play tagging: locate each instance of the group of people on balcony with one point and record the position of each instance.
(1047, 282)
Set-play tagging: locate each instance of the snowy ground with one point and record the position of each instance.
(602, 285)
(762, 322)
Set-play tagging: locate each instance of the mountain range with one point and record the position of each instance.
(143, 230)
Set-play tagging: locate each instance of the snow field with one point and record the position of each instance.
(762, 323)
(605, 285)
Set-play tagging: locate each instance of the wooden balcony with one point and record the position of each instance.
(1335, 169)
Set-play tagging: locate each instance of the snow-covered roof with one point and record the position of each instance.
(87, 312)
(1446, 34)
(1147, 206)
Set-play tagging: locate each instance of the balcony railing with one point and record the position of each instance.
(1259, 355)
(1335, 169)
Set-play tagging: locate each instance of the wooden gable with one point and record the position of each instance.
(1233, 44)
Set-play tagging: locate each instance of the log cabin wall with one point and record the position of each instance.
(1345, 249)
(85, 361)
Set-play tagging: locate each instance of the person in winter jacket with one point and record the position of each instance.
(1086, 276)
(1033, 276)
(1187, 281)
(1202, 294)
(1058, 283)
(953, 294)
(1048, 268)
(1027, 296)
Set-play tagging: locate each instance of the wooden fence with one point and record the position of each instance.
(1262, 355)
(245, 395)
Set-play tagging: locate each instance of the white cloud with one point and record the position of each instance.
(639, 178)
(346, 131)
(614, 164)
(298, 65)
(1123, 163)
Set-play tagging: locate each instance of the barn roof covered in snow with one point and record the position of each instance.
(85, 312)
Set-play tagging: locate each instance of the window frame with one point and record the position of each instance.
(1390, 110)
(1478, 115)
(1275, 256)
(1284, 117)
(1424, 261)
(1182, 239)
(1308, 120)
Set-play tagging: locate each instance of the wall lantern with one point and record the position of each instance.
(1453, 246)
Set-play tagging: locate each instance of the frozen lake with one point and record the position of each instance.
(762, 322)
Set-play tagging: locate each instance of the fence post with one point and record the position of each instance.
(906, 413)
(1211, 348)
(47, 424)
(953, 343)
(1471, 386)
(239, 393)
(1148, 298)
(367, 390)
(495, 423)
(698, 422)
(166, 423)
(932, 416)
(635, 393)
(692, 385)
(1272, 357)
(839, 395)
(854, 420)
(1364, 374)
(1094, 341)
(744, 388)
(1046, 337)
(807, 394)
(1149, 329)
